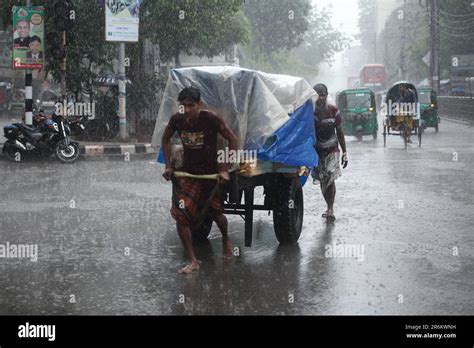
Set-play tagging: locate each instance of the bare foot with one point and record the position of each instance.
(227, 248)
(192, 267)
(330, 215)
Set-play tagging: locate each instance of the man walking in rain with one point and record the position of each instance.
(329, 135)
(198, 130)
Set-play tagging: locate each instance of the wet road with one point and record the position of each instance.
(107, 245)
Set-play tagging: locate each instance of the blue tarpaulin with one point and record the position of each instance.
(293, 143)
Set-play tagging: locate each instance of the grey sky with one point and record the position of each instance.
(345, 14)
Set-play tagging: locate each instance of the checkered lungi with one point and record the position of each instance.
(190, 197)
(328, 170)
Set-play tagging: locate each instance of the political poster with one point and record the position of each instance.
(28, 37)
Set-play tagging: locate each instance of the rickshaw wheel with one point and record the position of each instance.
(419, 138)
(384, 136)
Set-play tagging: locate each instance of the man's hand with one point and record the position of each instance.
(168, 173)
(344, 160)
(223, 177)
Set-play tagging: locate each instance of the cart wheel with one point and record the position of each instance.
(419, 138)
(288, 209)
(201, 233)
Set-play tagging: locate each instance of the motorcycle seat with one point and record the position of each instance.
(30, 129)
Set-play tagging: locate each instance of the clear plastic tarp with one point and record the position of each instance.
(253, 104)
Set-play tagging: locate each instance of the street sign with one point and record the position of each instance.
(109, 80)
(28, 37)
(122, 20)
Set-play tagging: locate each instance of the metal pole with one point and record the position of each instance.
(404, 68)
(437, 47)
(28, 91)
(431, 8)
(434, 61)
(375, 47)
(63, 71)
(122, 93)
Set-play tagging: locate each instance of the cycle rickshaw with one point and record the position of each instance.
(402, 113)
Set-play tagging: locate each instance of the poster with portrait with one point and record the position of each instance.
(28, 37)
(122, 20)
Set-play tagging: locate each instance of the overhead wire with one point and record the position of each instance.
(456, 35)
(457, 20)
(441, 24)
(456, 15)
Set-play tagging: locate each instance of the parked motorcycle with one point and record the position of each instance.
(50, 137)
(97, 129)
(79, 127)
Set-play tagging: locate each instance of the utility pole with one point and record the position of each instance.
(434, 55)
(28, 91)
(376, 29)
(122, 93)
(375, 47)
(63, 72)
(403, 69)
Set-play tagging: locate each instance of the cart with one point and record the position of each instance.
(270, 114)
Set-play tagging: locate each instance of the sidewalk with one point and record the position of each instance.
(113, 149)
(99, 149)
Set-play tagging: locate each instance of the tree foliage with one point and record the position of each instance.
(277, 25)
(404, 42)
(321, 41)
(6, 13)
(204, 27)
(366, 21)
(297, 53)
(88, 52)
